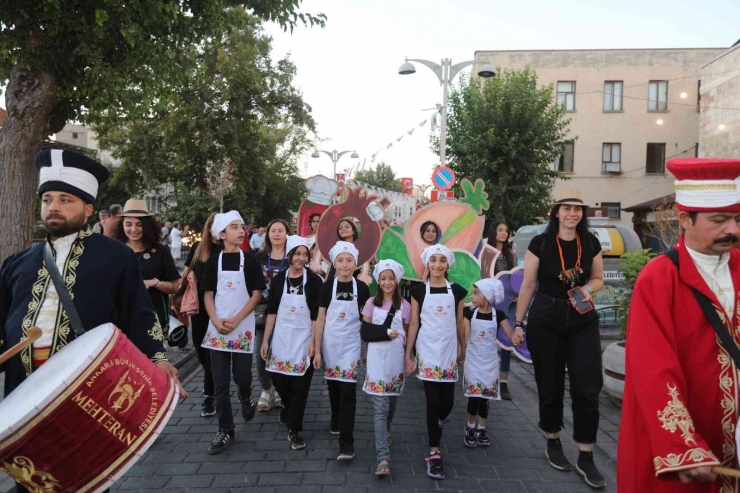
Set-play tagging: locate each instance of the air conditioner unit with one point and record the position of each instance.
(614, 168)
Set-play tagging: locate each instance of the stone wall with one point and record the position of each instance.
(719, 127)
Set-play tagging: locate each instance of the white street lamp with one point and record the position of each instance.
(334, 155)
(446, 72)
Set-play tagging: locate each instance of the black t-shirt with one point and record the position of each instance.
(548, 273)
(313, 291)
(344, 293)
(157, 263)
(419, 292)
(500, 316)
(270, 268)
(230, 261)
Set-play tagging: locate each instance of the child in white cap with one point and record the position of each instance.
(437, 318)
(481, 375)
(386, 320)
(338, 344)
(233, 286)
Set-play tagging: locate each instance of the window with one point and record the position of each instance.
(614, 209)
(75, 135)
(567, 95)
(658, 95)
(613, 95)
(611, 158)
(655, 158)
(564, 163)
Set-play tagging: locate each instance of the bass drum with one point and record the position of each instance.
(79, 422)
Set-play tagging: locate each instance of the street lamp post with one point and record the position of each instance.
(334, 155)
(445, 72)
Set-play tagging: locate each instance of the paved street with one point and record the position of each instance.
(261, 462)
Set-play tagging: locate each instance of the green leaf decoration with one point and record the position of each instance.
(462, 222)
(398, 229)
(475, 195)
(465, 272)
(392, 246)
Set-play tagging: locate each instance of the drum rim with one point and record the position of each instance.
(53, 399)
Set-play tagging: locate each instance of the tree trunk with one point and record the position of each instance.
(29, 98)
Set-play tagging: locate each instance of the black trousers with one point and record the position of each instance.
(199, 323)
(557, 336)
(478, 406)
(294, 391)
(440, 399)
(224, 365)
(343, 399)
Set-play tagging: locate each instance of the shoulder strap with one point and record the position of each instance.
(64, 297)
(706, 306)
(389, 318)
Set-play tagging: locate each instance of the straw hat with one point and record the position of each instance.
(135, 208)
(569, 196)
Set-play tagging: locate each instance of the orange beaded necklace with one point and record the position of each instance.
(570, 276)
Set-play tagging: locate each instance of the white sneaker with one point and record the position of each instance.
(265, 402)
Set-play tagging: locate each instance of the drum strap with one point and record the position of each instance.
(64, 297)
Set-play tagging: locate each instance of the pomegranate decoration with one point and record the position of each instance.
(355, 207)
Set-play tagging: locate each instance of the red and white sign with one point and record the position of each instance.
(340, 182)
(443, 178)
(407, 185)
(438, 195)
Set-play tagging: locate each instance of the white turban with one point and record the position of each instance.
(295, 241)
(220, 221)
(492, 289)
(343, 247)
(434, 249)
(384, 265)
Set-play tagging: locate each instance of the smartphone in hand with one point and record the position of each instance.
(579, 296)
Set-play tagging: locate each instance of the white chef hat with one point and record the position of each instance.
(343, 247)
(492, 289)
(294, 241)
(220, 221)
(431, 250)
(388, 264)
(321, 190)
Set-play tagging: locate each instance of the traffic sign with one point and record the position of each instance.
(443, 178)
(438, 195)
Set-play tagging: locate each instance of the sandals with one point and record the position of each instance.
(265, 402)
(383, 469)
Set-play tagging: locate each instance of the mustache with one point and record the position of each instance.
(727, 239)
(55, 216)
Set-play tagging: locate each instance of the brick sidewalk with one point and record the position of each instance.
(260, 460)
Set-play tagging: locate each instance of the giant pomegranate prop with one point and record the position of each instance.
(354, 207)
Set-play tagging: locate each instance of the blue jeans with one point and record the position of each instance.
(504, 361)
(383, 410)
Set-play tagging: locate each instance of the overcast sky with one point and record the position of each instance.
(348, 71)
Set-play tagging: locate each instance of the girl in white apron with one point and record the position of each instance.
(437, 318)
(338, 344)
(385, 323)
(291, 310)
(233, 285)
(481, 375)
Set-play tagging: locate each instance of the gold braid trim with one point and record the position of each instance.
(677, 462)
(728, 386)
(38, 295)
(675, 416)
(69, 276)
(159, 357)
(156, 332)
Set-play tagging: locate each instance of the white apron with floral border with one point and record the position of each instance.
(292, 335)
(480, 376)
(231, 296)
(436, 346)
(341, 346)
(385, 374)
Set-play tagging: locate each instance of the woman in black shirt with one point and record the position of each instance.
(138, 229)
(197, 259)
(566, 256)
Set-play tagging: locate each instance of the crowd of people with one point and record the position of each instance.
(301, 316)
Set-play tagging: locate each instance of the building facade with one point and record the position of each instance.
(719, 129)
(630, 111)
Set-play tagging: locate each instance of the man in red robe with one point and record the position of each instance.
(682, 391)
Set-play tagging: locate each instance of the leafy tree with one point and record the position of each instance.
(231, 128)
(382, 176)
(64, 60)
(508, 132)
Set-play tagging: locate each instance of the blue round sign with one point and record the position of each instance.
(443, 178)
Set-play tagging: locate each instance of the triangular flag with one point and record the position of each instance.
(399, 139)
(423, 123)
(390, 145)
(411, 132)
